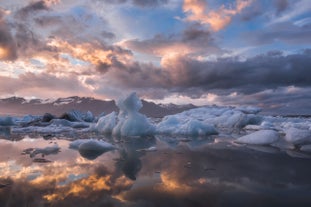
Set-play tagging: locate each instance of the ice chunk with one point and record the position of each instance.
(172, 125)
(91, 149)
(298, 136)
(88, 117)
(130, 122)
(46, 151)
(6, 121)
(262, 137)
(78, 116)
(106, 123)
(75, 144)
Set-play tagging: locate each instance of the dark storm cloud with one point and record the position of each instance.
(32, 8)
(270, 70)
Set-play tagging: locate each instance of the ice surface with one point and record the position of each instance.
(262, 137)
(298, 136)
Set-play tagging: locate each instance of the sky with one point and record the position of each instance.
(224, 52)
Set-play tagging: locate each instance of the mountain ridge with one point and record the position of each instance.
(18, 106)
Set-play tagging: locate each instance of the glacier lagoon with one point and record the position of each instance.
(209, 156)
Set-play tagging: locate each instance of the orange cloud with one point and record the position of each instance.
(217, 19)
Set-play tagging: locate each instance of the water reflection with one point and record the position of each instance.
(179, 174)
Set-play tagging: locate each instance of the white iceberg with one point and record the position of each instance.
(129, 121)
(262, 137)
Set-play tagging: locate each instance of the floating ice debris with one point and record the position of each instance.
(7, 121)
(78, 116)
(45, 151)
(298, 136)
(90, 148)
(130, 122)
(262, 137)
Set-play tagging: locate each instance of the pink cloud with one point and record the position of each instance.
(197, 10)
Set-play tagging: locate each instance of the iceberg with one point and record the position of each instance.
(262, 137)
(129, 121)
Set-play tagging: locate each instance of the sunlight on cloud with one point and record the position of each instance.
(197, 10)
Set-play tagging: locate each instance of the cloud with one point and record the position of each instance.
(281, 5)
(28, 84)
(139, 3)
(254, 74)
(194, 40)
(8, 50)
(32, 8)
(285, 32)
(197, 10)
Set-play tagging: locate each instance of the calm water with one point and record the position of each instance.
(181, 172)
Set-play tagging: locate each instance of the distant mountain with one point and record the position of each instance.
(18, 106)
